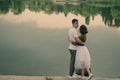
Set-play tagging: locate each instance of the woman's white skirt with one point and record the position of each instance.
(82, 58)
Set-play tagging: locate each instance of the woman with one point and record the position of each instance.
(82, 55)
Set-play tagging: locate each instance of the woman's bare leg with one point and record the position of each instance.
(82, 72)
(90, 74)
(88, 71)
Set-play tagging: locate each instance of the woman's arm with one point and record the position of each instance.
(79, 41)
(76, 43)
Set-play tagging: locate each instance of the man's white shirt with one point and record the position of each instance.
(72, 34)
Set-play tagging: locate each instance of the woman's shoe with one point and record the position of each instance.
(90, 76)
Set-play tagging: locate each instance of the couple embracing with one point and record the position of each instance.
(80, 56)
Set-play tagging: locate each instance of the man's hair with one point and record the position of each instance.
(74, 20)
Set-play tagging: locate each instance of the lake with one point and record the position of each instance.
(33, 36)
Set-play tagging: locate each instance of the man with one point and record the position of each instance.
(73, 36)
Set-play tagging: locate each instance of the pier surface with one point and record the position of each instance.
(14, 77)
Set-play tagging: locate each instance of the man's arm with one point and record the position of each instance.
(74, 43)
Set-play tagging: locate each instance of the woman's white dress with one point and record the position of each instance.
(82, 58)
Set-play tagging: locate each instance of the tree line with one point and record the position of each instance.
(108, 9)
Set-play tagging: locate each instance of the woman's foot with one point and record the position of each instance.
(90, 76)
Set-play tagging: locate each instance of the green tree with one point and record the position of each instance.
(87, 20)
(4, 6)
(17, 6)
(35, 5)
(49, 7)
(66, 8)
(117, 22)
(115, 12)
(106, 16)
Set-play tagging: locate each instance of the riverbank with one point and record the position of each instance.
(14, 77)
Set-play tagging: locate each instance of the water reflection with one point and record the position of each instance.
(33, 37)
(54, 21)
(109, 10)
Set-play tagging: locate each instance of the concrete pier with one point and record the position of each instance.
(14, 77)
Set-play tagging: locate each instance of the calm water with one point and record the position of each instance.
(33, 37)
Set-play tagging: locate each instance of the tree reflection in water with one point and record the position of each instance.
(109, 9)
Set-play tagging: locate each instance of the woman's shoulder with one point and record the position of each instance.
(82, 38)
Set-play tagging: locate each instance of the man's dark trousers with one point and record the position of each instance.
(72, 61)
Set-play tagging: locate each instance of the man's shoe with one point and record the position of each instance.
(69, 76)
(75, 75)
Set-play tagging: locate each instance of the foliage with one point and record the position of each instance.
(108, 9)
